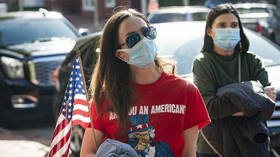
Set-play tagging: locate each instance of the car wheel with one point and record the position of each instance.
(1, 111)
(2, 89)
(272, 37)
(76, 140)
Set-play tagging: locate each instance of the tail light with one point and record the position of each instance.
(259, 28)
(55, 78)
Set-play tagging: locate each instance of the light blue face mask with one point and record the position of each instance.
(226, 38)
(142, 54)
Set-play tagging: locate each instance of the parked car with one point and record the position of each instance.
(178, 13)
(182, 44)
(261, 17)
(32, 45)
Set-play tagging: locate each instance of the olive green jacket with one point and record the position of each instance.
(212, 71)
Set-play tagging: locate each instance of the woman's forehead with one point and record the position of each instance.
(227, 17)
(131, 24)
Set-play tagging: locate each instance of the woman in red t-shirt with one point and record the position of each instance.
(134, 101)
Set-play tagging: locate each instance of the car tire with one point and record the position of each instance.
(76, 141)
(1, 110)
(273, 37)
(2, 89)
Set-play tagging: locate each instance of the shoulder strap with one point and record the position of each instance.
(211, 146)
(239, 67)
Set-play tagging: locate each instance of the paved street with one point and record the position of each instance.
(31, 140)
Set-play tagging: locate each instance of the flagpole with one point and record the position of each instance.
(87, 97)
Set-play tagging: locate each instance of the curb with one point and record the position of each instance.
(9, 135)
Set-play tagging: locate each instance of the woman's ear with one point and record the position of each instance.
(122, 55)
(209, 32)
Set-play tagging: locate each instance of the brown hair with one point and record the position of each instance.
(111, 77)
(208, 46)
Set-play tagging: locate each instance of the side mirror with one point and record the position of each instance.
(83, 31)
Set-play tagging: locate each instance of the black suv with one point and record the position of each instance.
(32, 45)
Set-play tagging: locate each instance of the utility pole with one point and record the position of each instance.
(95, 15)
(186, 2)
(20, 5)
(144, 7)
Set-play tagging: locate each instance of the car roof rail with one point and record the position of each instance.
(43, 11)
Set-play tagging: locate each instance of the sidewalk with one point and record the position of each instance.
(18, 146)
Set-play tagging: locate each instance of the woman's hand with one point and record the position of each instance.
(270, 92)
(238, 114)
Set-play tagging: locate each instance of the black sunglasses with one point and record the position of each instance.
(134, 38)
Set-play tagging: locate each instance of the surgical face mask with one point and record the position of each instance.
(142, 54)
(226, 38)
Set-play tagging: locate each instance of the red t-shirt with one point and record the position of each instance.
(160, 114)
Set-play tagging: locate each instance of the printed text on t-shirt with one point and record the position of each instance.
(154, 109)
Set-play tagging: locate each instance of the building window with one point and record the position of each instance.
(89, 5)
(33, 3)
(110, 3)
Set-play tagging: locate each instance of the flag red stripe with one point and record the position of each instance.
(61, 143)
(67, 151)
(80, 112)
(59, 127)
(79, 122)
(81, 101)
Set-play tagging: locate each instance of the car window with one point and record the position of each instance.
(276, 13)
(199, 16)
(252, 10)
(16, 31)
(167, 17)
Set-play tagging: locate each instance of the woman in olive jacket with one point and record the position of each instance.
(224, 60)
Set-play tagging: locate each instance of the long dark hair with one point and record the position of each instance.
(111, 77)
(226, 8)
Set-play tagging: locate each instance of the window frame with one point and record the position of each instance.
(87, 7)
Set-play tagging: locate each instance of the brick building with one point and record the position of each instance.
(92, 13)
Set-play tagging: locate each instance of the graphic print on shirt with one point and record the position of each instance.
(141, 138)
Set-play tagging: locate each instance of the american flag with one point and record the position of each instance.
(74, 111)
